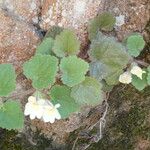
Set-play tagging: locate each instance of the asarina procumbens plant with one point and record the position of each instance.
(70, 81)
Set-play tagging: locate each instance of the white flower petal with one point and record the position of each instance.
(57, 105)
(136, 70)
(48, 118)
(32, 116)
(39, 112)
(32, 99)
(58, 116)
(39, 115)
(41, 102)
(50, 113)
(42, 109)
(125, 78)
(52, 120)
(27, 111)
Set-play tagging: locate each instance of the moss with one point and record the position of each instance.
(127, 120)
(126, 125)
(10, 141)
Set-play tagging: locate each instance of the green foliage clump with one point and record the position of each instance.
(73, 70)
(41, 69)
(135, 44)
(56, 64)
(108, 55)
(105, 22)
(61, 94)
(7, 79)
(88, 92)
(11, 115)
(66, 44)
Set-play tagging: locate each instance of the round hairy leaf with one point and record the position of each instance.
(110, 53)
(138, 83)
(7, 79)
(73, 70)
(105, 21)
(113, 77)
(61, 95)
(135, 44)
(45, 47)
(11, 115)
(98, 70)
(88, 92)
(148, 75)
(66, 44)
(41, 69)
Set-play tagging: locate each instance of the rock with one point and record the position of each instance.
(73, 14)
(17, 40)
(136, 14)
(25, 10)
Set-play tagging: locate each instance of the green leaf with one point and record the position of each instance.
(61, 95)
(88, 92)
(98, 70)
(148, 75)
(105, 22)
(138, 83)
(53, 32)
(135, 44)
(7, 79)
(73, 70)
(45, 47)
(113, 76)
(66, 44)
(41, 69)
(11, 115)
(112, 55)
(106, 87)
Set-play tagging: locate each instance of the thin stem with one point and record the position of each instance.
(142, 63)
(103, 121)
(22, 94)
(74, 144)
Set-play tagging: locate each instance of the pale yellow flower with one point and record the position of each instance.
(136, 70)
(125, 78)
(33, 109)
(51, 113)
(42, 109)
